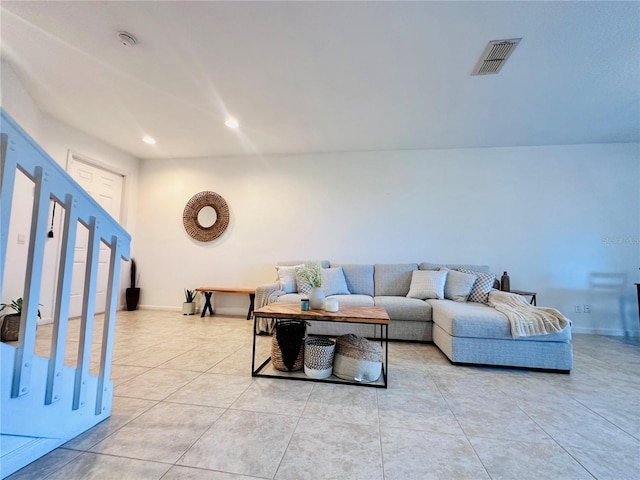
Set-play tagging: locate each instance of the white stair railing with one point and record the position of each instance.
(42, 397)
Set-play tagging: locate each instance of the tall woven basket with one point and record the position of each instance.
(318, 357)
(287, 345)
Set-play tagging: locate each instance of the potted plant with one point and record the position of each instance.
(133, 292)
(189, 306)
(311, 274)
(10, 329)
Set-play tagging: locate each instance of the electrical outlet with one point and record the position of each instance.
(586, 308)
(578, 309)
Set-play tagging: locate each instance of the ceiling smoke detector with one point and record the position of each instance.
(494, 56)
(127, 39)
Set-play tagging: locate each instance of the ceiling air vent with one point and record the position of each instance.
(494, 56)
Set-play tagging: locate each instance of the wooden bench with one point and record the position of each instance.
(209, 291)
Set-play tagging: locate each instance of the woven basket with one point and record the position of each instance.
(287, 345)
(357, 359)
(318, 357)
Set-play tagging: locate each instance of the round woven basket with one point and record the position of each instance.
(318, 357)
(357, 359)
(287, 345)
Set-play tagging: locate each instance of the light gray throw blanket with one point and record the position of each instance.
(263, 298)
(525, 319)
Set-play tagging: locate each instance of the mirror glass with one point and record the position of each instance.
(207, 216)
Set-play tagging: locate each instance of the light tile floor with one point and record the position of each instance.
(186, 407)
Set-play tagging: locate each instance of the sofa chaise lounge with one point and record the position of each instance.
(466, 331)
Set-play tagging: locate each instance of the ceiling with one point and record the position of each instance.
(328, 76)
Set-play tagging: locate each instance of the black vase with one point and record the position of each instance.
(505, 284)
(132, 296)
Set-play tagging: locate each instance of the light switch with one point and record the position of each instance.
(21, 239)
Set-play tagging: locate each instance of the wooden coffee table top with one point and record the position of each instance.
(347, 313)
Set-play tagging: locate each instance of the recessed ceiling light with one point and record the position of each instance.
(149, 140)
(232, 123)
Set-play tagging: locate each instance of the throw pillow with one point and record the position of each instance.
(304, 287)
(458, 285)
(287, 278)
(427, 284)
(333, 282)
(481, 287)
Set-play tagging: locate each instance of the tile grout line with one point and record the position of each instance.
(378, 393)
(464, 432)
(562, 447)
(293, 432)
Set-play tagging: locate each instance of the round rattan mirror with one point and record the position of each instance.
(192, 218)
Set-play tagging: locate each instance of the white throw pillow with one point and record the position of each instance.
(458, 285)
(481, 287)
(427, 284)
(333, 282)
(287, 278)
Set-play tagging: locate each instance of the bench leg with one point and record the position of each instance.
(252, 298)
(207, 304)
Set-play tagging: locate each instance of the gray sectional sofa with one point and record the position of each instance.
(467, 332)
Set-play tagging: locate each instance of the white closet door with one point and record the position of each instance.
(106, 188)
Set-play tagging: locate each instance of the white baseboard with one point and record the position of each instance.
(610, 332)
(160, 307)
(231, 311)
(218, 310)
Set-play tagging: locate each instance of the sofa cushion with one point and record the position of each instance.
(476, 320)
(354, 300)
(333, 282)
(287, 278)
(291, 298)
(427, 284)
(458, 285)
(393, 278)
(507, 352)
(403, 308)
(454, 266)
(359, 277)
(481, 287)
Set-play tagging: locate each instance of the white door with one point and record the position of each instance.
(106, 188)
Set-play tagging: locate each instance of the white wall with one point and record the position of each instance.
(56, 138)
(550, 216)
(16, 101)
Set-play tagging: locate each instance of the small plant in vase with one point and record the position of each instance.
(189, 306)
(133, 292)
(311, 274)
